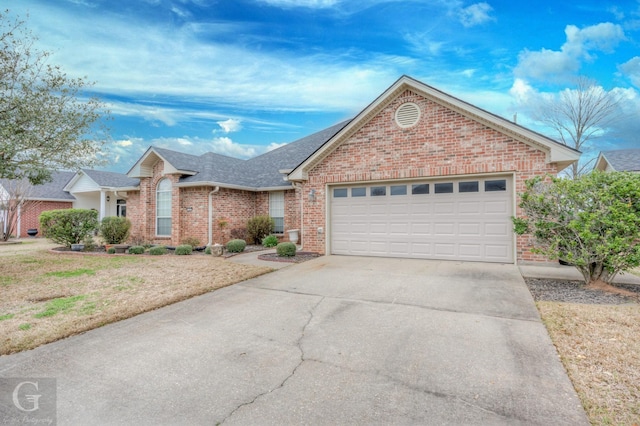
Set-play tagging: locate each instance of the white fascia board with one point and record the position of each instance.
(231, 186)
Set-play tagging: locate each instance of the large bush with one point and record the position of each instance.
(114, 229)
(236, 246)
(270, 241)
(286, 249)
(592, 222)
(259, 227)
(68, 226)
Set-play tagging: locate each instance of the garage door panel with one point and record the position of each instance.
(473, 226)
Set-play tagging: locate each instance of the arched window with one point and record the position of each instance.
(163, 208)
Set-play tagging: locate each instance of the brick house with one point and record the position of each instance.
(417, 174)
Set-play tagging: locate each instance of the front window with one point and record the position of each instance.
(163, 208)
(121, 208)
(276, 210)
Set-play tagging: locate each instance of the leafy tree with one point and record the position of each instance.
(592, 222)
(46, 121)
(68, 226)
(580, 115)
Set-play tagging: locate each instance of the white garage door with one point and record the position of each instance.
(464, 219)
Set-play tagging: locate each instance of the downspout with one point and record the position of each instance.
(298, 185)
(216, 189)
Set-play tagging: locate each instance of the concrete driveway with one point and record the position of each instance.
(336, 340)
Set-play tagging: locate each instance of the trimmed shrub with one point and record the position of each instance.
(114, 229)
(236, 246)
(287, 249)
(270, 241)
(158, 250)
(111, 250)
(184, 249)
(259, 227)
(207, 250)
(136, 250)
(68, 226)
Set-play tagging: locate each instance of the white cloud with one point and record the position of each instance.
(475, 14)
(226, 146)
(124, 143)
(631, 69)
(579, 45)
(230, 125)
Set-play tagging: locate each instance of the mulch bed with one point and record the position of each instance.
(549, 290)
(300, 256)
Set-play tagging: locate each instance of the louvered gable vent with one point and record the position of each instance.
(407, 114)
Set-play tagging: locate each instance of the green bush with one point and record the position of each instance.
(158, 250)
(68, 226)
(136, 250)
(236, 246)
(259, 227)
(207, 250)
(591, 222)
(184, 249)
(114, 229)
(111, 250)
(270, 241)
(287, 249)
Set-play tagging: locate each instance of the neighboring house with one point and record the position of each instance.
(416, 174)
(105, 192)
(620, 160)
(39, 198)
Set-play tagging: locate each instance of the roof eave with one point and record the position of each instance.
(231, 186)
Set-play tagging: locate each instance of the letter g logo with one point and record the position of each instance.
(31, 398)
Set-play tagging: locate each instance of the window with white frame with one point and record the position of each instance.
(276, 210)
(121, 208)
(163, 208)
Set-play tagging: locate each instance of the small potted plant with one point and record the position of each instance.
(115, 231)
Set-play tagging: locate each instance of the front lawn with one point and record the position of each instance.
(46, 297)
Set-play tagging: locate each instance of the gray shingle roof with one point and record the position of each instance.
(623, 160)
(258, 172)
(111, 179)
(51, 190)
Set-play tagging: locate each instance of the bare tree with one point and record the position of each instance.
(14, 203)
(580, 115)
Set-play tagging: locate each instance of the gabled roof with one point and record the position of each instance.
(256, 174)
(49, 191)
(102, 180)
(556, 152)
(619, 160)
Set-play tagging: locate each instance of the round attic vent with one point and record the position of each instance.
(407, 114)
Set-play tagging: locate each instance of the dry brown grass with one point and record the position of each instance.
(82, 292)
(600, 348)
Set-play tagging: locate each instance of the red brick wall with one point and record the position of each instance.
(442, 143)
(31, 211)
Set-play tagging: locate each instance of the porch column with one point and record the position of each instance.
(103, 205)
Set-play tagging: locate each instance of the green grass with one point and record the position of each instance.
(62, 304)
(4, 280)
(6, 317)
(24, 327)
(71, 274)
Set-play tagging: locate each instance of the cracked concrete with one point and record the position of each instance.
(293, 372)
(336, 340)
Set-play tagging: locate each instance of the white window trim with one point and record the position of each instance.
(277, 208)
(170, 206)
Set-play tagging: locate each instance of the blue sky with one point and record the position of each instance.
(240, 77)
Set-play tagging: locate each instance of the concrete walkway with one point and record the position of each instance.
(335, 340)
